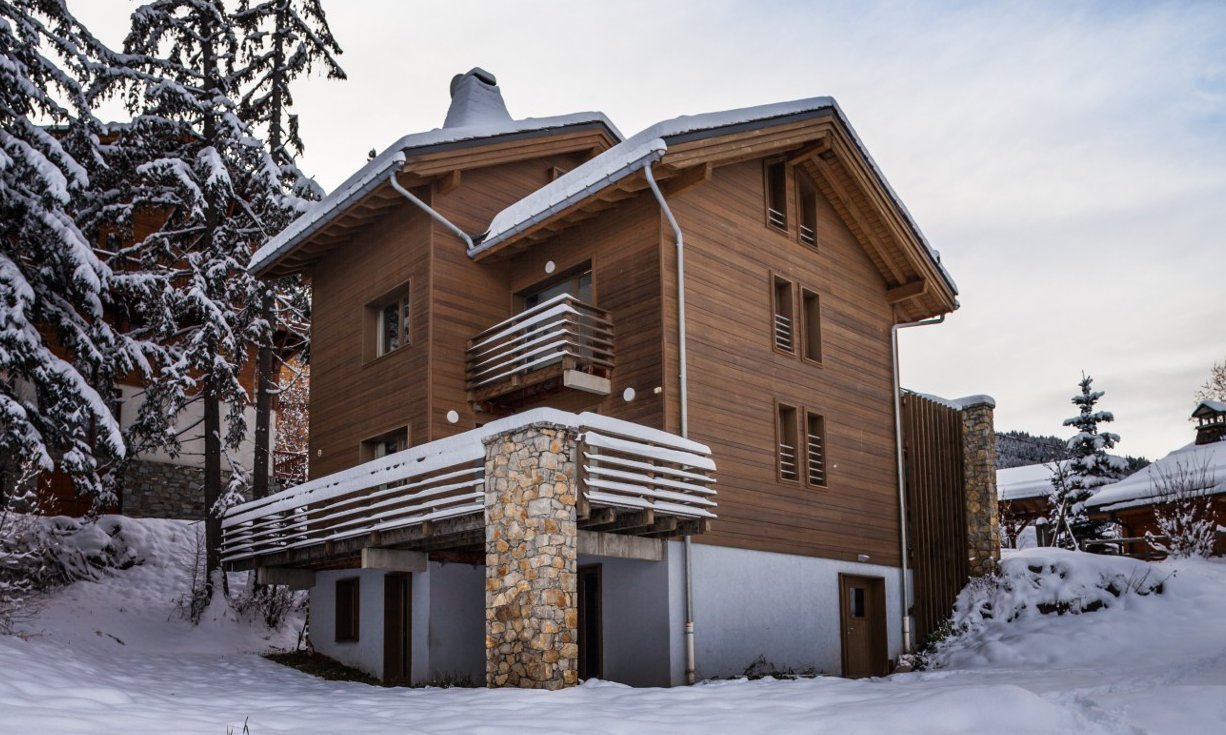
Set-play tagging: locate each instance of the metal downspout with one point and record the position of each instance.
(690, 673)
(468, 241)
(902, 478)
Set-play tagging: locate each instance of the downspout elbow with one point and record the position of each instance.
(434, 215)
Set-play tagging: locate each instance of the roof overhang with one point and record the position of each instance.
(419, 160)
(811, 134)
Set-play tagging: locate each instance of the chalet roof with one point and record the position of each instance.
(651, 145)
(373, 174)
(1208, 408)
(1139, 488)
(1027, 481)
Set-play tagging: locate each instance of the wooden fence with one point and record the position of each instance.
(936, 509)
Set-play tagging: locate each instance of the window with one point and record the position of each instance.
(388, 323)
(396, 440)
(785, 432)
(347, 611)
(807, 195)
(815, 449)
(811, 326)
(777, 195)
(577, 283)
(783, 323)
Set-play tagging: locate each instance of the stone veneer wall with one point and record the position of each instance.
(531, 558)
(165, 490)
(979, 471)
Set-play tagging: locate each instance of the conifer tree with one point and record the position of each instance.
(194, 160)
(59, 353)
(1087, 467)
(283, 40)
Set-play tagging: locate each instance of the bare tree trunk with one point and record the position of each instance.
(263, 406)
(212, 485)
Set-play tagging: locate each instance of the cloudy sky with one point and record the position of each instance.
(1068, 159)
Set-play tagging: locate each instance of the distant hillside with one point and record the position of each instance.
(1017, 448)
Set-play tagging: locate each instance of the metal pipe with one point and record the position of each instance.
(468, 241)
(683, 389)
(902, 476)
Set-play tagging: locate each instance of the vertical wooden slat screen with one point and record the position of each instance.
(936, 509)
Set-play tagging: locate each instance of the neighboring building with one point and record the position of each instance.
(1198, 469)
(517, 414)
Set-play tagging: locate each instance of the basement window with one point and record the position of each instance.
(786, 441)
(777, 195)
(347, 609)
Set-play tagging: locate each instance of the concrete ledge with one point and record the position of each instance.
(621, 546)
(589, 383)
(393, 560)
(295, 579)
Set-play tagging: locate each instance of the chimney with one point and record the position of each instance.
(475, 100)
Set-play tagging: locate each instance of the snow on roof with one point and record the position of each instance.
(959, 404)
(1214, 406)
(1020, 483)
(370, 176)
(648, 146)
(1138, 488)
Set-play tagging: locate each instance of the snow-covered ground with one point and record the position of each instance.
(111, 656)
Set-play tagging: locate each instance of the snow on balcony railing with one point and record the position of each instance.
(625, 465)
(561, 330)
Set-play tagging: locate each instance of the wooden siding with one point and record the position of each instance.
(354, 397)
(936, 515)
(736, 376)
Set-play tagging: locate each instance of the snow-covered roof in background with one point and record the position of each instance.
(648, 146)
(1138, 488)
(1215, 406)
(959, 404)
(370, 176)
(1020, 483)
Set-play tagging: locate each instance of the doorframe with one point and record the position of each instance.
(391, 599)
(591, 570)
(879, 664)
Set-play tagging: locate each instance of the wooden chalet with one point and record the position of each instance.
(712, 298)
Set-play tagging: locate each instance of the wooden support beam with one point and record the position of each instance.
(631, 520)
(907, 291)
(688, 179)
(393, 560)
(821, 146)
(447, 181)
(295, 579)
(620, 546)
(599, 517)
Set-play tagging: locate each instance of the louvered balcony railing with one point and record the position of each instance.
(537, 344)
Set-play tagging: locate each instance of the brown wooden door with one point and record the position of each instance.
(862, 605)
(591, 634)
(398, 628)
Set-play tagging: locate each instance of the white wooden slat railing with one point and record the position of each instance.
(657, 472)
(776, 218)
(783, 332)
(787, 461)
(421, 484)
(555, 330)
(623, 465)
(807, 235)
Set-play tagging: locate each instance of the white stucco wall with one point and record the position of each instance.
(455, 634)
(192, 454)
(784, 607)
(635, 614)
(366, 653)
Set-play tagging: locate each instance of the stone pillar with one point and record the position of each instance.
(531, 559)
(979, 469)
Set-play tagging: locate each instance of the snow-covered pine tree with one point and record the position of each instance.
(283, 39)
(59, 353)
(194, 160)
(1086, 468)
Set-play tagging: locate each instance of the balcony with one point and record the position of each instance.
(561, 343)
(630, 480)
